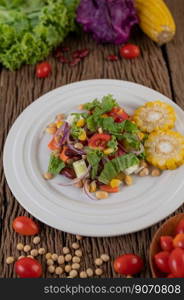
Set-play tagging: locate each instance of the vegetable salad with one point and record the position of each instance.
(101, 146)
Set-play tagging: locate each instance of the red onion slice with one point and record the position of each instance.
(86, 191)
(63, 131)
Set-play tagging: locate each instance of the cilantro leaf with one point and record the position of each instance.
(55, 165)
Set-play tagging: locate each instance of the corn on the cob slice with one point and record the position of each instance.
(165, 149)
(154, 116)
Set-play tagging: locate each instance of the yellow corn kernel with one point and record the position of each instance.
(108, 151)
(59, 124)
(80, 123)
(82, 136)
(115, 183)
(141, 135)
(104, 116)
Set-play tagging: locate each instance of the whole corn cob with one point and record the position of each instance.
(165, 149)
(154, 116)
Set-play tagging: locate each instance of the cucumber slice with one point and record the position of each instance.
(80, 168)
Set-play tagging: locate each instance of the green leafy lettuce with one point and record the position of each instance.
(93, 157)
(29, 30)
(113, 167)
(113, 144)
(55, 165)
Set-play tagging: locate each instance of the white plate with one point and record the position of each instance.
(26, 157)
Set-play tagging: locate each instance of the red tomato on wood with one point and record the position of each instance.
(130, 51)
(25, 226)
(166, 243)
(162, 261)
(128, 264)
(27, 267)
(43, 69)
(178, 241)
(180, 227)
(176, 262)
(99, 141)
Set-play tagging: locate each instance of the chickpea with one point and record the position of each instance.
(27, 248)
(98, 261)
(50, 262)
(47, 176)
(155, 172)
(75, 246)
(73, 273)
(68, 268)
(83, 274)
(79, 237)
(34, 252)
(48, 255)
(68, 257)
(105, 257)
(51, 130)
(58, 270)
(98, 272)
(128, 180)
(61, 260)
(144, 172)
(79, 146)
(75, 266)
(78, 253)
(89, 272)
(10, 260)
(54, 256)
(101, 195)
(66, 250)
(20, 246)
(41, 251)
(60, 117)
(76, 259)
(143, 163)
(51, 269)
(36, 239)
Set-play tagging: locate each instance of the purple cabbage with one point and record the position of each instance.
(110, 21)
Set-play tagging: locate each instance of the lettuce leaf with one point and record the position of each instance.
(113, 167)
(55, 165)
(93, 157)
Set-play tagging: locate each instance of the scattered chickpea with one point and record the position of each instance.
(78, 253)
(75, 246)
(47, 176)
(52, 125)
(60, 117)
(93, 186)
(20, 246)
(66, 250)
(155, 172)
(75, 266)
(83, 274)
(144, 172)
(36, 240)
(34, 252)
(48, 255)
(101, 195)
(51, 130)
(68, 268)
(80, 107)
(30, 256)
(76, 259)
(21, 256)
(41, 251)
(144, 164)
(68, 257)
(54, 257)
(73, 273)
(98, 271)
(61, 260)
(79, 184)
(50, 262)
(105, 257)
(51, 269)
(10, 260)
(27, 248)
(79, 237)
(128, 180)
(79, 146)
(58, 270)
(98, 261)
(89, 272)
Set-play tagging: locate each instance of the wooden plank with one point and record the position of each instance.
(20, 88)
(175, 52)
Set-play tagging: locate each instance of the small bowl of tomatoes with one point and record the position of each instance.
(166, 255)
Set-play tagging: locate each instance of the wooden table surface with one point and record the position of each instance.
(159, 68)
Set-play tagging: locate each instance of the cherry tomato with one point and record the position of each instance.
(109, 189)
(53, 145)
(162, 261)
(27, 267)
(180, 227)
(128, 264)
(166, 242)
(130, 51)
(178, 241)
(176, 262)
(99, 141)
(118, 114)
(43, 69)
(25, 226)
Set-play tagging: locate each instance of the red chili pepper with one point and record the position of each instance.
(112, 57)
(63, 60)
(83, 53)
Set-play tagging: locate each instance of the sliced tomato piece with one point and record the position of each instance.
(109, 189)
(63, 156)
(99, 141)
(118, 114)
(53, 145)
